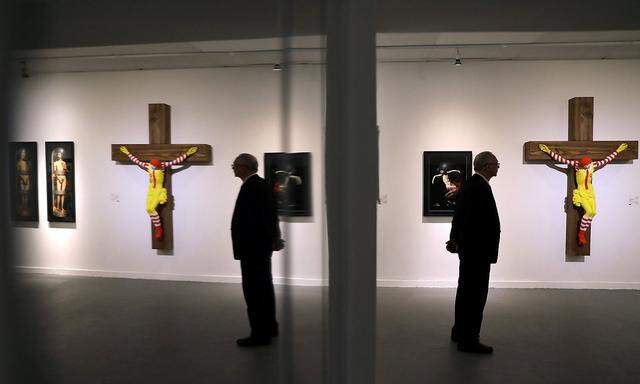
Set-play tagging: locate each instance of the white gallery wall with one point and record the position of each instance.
(497, 106)
(234, 110)
(494, 106)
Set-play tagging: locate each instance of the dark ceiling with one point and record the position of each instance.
(77, 23)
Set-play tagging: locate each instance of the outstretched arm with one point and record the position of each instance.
(180, 158)
(135, 160)
(608, 159)
(556, 156)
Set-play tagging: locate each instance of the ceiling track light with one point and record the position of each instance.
(276, 67)
(458, 61)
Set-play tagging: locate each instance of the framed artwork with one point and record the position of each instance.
(61, 202)
(289, 175)
(23, 175)
(444, 172)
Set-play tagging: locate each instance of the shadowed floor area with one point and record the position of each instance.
(99, 330)
(539, 336)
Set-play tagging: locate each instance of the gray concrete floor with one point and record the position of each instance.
(96, 330)
(539, 335)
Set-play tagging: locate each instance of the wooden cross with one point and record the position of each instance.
(160, 148)
(580, 144)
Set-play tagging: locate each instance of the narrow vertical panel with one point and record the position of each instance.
(580, 129)
(160, 133)
(351, 177)
(23, 182)
(61, 174)
(581, 119)
(159, 124)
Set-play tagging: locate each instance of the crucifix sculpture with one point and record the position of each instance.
(164, 154)
(579, 145)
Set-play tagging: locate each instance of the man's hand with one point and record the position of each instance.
(278, 245)
(452, 246)
(622, 147)
(124, 150)
(192, 150)
(544, 148)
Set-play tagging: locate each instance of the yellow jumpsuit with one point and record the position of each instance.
(584, 195)
(156, 193)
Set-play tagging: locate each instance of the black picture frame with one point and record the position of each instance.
(438, 167)
(64, 178)
(23, 181)
(289, 176)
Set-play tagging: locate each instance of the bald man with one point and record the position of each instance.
(475, 236)
(255, 234)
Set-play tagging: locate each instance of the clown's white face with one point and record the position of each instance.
(155, 167)
(586, 163)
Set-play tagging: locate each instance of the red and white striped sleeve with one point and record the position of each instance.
(608, 159)
(175, 161)
(561, 159)
(137, 162)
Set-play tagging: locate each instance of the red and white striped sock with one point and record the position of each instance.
(585, 223)
(155, 219)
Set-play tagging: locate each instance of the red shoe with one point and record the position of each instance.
(582, 238)
(157, 232)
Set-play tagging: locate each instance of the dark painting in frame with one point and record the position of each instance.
(61, 202)
(443, 174)
(289, 176)
(23, 184)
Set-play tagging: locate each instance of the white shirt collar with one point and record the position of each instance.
(248, 177)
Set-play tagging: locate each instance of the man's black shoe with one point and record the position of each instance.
(454, 337)
(275, 331)
(475, 347)
(253, 341)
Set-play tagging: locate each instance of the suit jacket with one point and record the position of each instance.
(254, 226)
(476, 225)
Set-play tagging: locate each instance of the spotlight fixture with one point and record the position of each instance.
(276, 67)
(23, 69)
(458, 61)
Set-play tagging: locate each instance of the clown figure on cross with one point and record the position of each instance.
(156, 193)
(583, 194)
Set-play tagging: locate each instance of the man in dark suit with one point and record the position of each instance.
(255, 234)
(475, 235)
